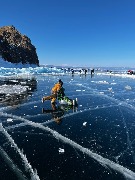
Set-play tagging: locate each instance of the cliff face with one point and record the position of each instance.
(15, 47)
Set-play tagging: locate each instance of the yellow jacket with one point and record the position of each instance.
(56, 88)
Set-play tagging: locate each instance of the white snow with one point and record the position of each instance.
(12, 89)
(9, 120)
(61, 150)
(123, 75)
(84, 124)
(128, 87)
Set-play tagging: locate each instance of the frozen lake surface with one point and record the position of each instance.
(94, 141)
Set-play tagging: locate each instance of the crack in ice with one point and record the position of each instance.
(28, 167)
(103, 161)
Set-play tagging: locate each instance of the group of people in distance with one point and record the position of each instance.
(83, 71)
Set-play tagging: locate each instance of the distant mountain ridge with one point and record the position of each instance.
(16, 48)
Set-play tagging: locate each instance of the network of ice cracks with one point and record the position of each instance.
(24, 121)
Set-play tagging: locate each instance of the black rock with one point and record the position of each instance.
(16, 48)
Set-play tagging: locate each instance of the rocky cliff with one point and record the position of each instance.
(16, 48)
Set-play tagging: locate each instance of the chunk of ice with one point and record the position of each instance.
(61, 150)
(128, 87)
(9, 120)
(84, 124)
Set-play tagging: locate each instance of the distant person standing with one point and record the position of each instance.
(72, 70)
(80, 71)
(85, 71)
(92, 71)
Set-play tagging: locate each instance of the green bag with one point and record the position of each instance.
(61, 96)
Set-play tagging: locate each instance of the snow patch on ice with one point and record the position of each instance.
(9, 120)
(84, 124)
(12, 89)
(128, 87)
(61, 150)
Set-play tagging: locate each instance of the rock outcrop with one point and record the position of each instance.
(17, 48)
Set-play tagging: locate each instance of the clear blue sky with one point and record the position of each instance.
(76, 32)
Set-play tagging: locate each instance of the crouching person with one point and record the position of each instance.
(55, 90)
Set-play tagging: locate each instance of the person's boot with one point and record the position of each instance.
(53, 102)
(45, 98)
(42, 100)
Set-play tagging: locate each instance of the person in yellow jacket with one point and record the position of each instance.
(54, 91)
